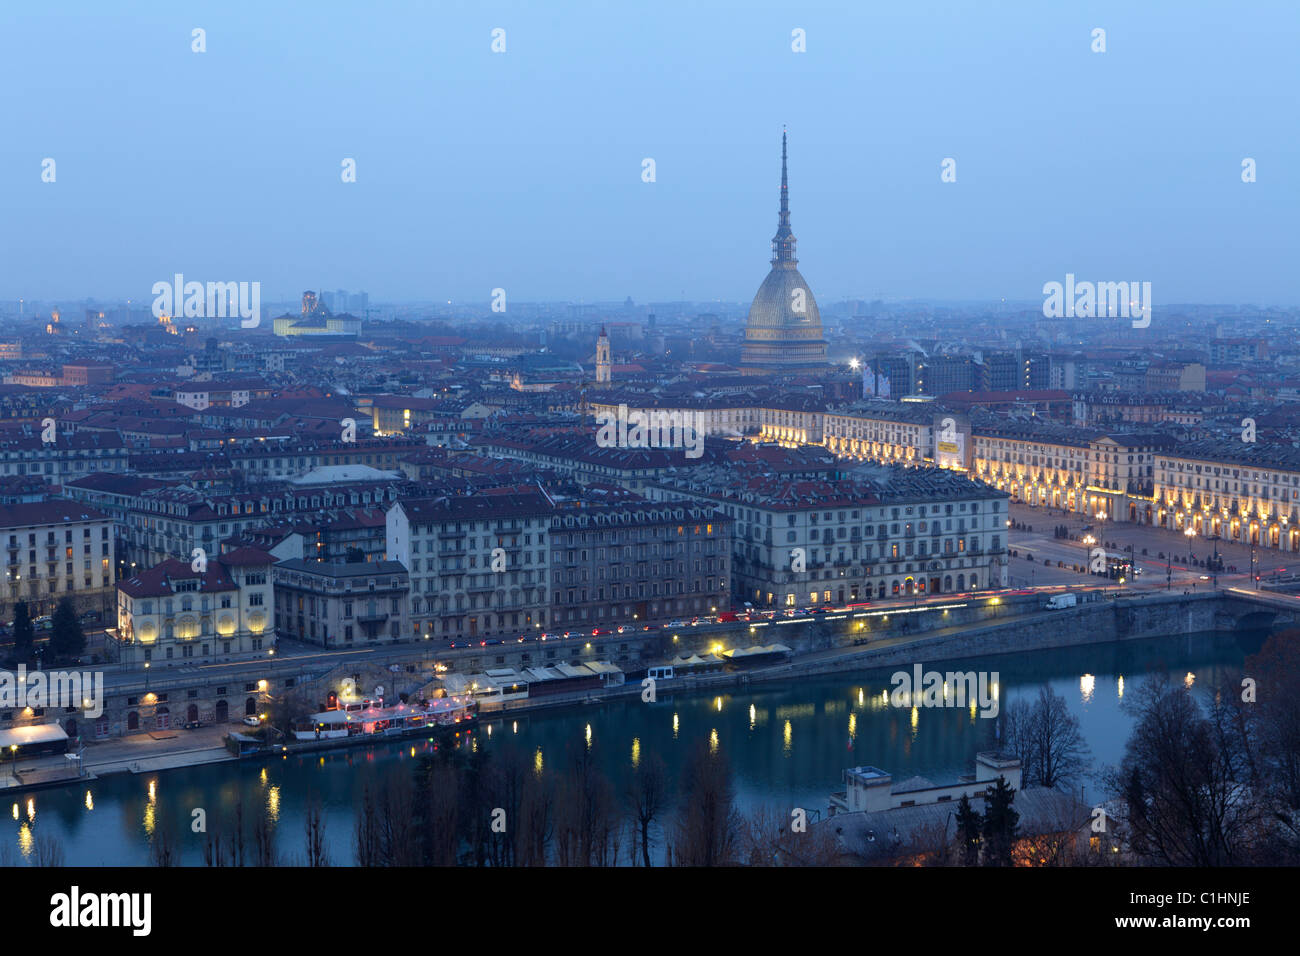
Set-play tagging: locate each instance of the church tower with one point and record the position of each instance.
(603, 366)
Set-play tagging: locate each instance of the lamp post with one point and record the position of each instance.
(146, 677)
(1215, 563)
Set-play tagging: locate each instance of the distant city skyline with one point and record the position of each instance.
(523, 170)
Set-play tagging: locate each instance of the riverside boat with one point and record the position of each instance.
(386, 721)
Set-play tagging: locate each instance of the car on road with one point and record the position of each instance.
(1205, 577)
(676, 622)
(253, 721)
(625, 628)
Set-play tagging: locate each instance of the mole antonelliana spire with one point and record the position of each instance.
(784, 331)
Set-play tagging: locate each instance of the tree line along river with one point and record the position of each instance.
(787, 746)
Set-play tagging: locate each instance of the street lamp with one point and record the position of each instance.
(146, 677)
(1214, 564)
(13, 750)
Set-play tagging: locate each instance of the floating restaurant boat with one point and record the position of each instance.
(386, 721)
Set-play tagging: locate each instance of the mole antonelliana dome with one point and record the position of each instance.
(784, 331)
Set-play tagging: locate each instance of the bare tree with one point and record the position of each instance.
(647, 796)
(1046, 738)
(212, 852)
(772, 836)
(47, 851)
(162, 846)
(536, 820)
(287, 709)
(586, 826)
(1184, 782)
(264, 853)
(708, 825)
(436, 812)
(1270, 718)
(366, 840)
(396, 821)
(318, 853)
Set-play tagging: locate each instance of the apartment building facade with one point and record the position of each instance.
(897, 532)
(340, 604)
(478, 564)
(190, 612)
(57, 549)
(639, 563)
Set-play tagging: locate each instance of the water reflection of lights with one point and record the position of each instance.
(713, 740)
(853, 727)
(788, 737)
(514, 727)
(861, 696)
(31, 810)
(587, 735)
(1189, 680)
(263, 777)
(273, 804)
(675, 725)
(916, 719)
(717, 703)
(1121, 686)
(26, 842)
(537, 762)
(636, 751)
(15, 811)
(90, 800)
(753, 716)
(1086, 684)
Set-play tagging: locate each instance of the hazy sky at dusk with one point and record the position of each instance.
(523, 170)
